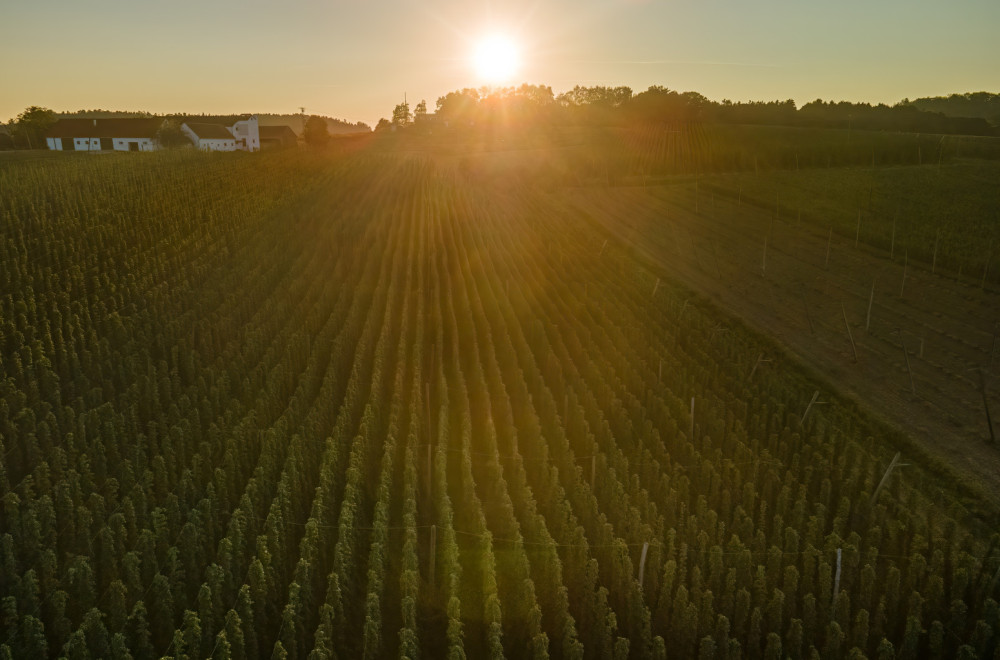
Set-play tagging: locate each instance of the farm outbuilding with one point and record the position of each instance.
(277, 137)
(141, 135)
(210, 137)
(131, 134)
(247, 134)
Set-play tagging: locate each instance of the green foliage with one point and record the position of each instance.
(231, 428)
(32, 124)
(316, 132)
(401, 115)
(169, 135)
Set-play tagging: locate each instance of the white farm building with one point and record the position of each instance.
(103, 134)
(209, 137)
(141, 135)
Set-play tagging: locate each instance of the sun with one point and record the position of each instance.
(496, 59)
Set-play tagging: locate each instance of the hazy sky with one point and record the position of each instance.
(355, 60)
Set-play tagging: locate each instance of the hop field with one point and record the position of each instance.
(360, 405)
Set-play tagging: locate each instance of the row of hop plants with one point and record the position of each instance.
(900, 529)
(246, 476)
(710, 415)
(112, 448)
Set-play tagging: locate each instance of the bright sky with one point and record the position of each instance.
(356, 59)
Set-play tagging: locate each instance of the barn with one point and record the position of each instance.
(209, 137)
(277, 137)
(116, 134)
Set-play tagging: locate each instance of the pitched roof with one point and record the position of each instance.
(142, 127)
(277, 133)
(209, 131)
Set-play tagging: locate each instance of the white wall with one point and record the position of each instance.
(94, 144)
(145, 144)
(87, 144)
(217, 144)
(249, 131)
(186, 130)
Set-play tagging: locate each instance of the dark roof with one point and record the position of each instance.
(107, 128)
(210, 131)
(277, 133)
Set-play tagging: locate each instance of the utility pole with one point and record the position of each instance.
(302, 118)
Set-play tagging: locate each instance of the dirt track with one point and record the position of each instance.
(800, 297)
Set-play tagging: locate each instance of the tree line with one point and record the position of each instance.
(620, 106)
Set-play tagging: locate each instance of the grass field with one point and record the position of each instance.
(388, 402)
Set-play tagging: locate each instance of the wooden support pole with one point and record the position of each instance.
(885, 477)
(937, 238)
(692, 419)
(430, 472)
(892, 243)
(857, 232)
(755, 365)
(829, 239)
(809, 407)
(836, 581)
(849, 335)
(906, 359)
(906, 261)
(642, 562)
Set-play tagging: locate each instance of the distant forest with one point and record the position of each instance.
(983, 105)
(335, 126)
(610, 106)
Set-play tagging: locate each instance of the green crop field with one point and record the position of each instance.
(388, 403)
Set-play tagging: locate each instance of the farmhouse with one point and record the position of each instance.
(209, 137)
(103, 134)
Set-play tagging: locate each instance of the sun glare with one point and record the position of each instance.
(496, 60)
